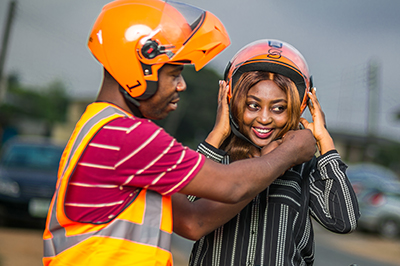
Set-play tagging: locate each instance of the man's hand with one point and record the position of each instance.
(302, 143)
(270, 147)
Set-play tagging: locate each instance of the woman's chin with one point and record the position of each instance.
(261, 143)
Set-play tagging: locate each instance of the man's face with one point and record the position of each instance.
(165, 100)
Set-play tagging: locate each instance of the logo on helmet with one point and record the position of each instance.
(134, 86)
(275, 51)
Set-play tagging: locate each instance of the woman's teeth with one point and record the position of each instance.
(262, 130)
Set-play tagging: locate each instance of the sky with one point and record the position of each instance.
(338, 38)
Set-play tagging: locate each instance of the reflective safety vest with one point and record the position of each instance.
(140, 235)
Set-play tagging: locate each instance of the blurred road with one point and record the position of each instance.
(361, 249)
(331, 249)
(23, 247)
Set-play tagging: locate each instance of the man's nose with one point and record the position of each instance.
(181, 86)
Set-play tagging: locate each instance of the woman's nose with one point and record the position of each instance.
(264, 117)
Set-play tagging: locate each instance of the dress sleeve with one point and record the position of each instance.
(212, 153)
(333, 202)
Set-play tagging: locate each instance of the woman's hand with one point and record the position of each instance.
(222, 127)
(318, 126)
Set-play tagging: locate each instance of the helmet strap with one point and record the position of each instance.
(235, 130)
(132, 103)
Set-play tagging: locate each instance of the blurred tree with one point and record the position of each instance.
(195, 116)
(389, 156)
(47, 104)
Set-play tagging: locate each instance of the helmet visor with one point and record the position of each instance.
(178, 24)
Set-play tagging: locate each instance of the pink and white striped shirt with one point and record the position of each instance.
(126, 155)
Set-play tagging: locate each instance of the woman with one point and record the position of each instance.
(270, 89)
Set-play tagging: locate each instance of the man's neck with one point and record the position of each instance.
(109, 92)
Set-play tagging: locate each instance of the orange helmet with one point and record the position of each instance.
(272, 56)
(133, 39)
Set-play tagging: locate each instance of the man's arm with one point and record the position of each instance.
(193, 220)
(246, 178)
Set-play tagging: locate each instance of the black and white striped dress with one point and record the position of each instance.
(275, 228)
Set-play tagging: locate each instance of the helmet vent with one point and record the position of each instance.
(150, 49)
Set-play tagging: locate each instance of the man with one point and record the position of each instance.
(112, 204)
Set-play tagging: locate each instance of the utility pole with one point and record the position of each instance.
(4, 46)
(373, 98)
(370, 147)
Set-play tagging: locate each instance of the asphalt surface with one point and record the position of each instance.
(21, 246)
(356, 249)
(361, 249)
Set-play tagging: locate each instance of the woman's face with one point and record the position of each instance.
(265, 113)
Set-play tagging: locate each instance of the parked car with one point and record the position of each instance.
(28, 175)
(378, 193)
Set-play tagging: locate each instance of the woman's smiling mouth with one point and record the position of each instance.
(262, 133)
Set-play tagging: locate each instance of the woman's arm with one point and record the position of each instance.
(333, 202)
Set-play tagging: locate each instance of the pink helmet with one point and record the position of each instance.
(272, 56)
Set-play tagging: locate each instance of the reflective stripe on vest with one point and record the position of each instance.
(88, 125)
(146, 233)
(58, 238)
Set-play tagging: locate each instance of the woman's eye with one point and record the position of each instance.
(252, 105)
(278, 109)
